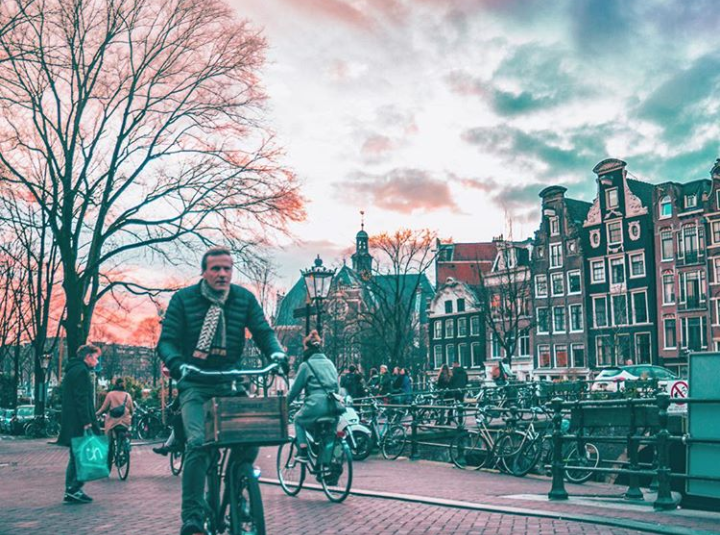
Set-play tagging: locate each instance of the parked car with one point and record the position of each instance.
(5, 421)
(612, 379)
(25, 413)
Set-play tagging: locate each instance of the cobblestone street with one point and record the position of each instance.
(31, 476)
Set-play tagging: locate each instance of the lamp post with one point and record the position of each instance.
(317, 282)
(45, 361)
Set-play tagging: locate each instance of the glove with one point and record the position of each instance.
(282, 360)
(175, 367)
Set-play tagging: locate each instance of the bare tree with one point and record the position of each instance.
(147, 116)
(389, 321)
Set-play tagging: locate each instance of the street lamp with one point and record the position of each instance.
(317, 283)
(45, 361)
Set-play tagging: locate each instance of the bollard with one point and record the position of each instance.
(633, 491)
(558, 492)
(414, 455)
(664, 499)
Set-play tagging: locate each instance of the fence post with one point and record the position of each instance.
(633, 491)
(413, 432)
(664, 499)
(558, 492)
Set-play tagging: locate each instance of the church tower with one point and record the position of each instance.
(361, 259)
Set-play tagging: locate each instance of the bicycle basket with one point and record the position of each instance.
(246, 421)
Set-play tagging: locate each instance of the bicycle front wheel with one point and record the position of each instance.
(526, 458)
(246, 507)
(336, 476)
(470, 451)
(507, 448)
(393, 442)
(291, 473)
(586, 457)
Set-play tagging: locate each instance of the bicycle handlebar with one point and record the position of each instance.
(189, 370)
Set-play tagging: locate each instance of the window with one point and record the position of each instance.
(437, 330)
(614, 233)
(554, 226)
(604, 351)
(668, 288)
(639, 301)
(578, 355)
(541, 251)
(449, 328)
(464, 354)
(474, 325)
(717, 199)
(438, 354)
(477, 359)
(448, 307)
(559, 319)
(543, 356)
(619, 309)
(576, 318)
(692, 288)
(561, 356)
(494, 346)
(541, 286)
(556, 255)
(557, 284)
(617, 270)
(524, 345)
(670, 330)
(611, 198)
(637, 265)
(716, 231)
(693, 333)
(461, 305)
(450, 353)
(574, 286)
(543, 326)
(692, 244)
(690, 201)
(462, 327)
(598, 271)
(666, 244)
(600, 311)
(665, 207)
(717, 312)
(642, 348)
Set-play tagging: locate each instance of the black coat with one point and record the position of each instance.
(78, 405)
(184, 319)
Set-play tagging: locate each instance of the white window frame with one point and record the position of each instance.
(474, 332)
(460, 352)
(665, 232)
(594, 311)
(558, 248)
(579, 276)
(717, 311)
(716, 269)
(615, 260)
(567, 355)
(634, 312)
(607, 229)
(664, 330)
(550, 354)
(688, 198)
(537, 292)
(449, 328)
(593, 263)
(435, 356)
(548, 318)
(666, 200)
(493, 344)
(565, 325)
(612, 310)
(570, 317)
(637, 352)
(713, 224)
(633, 256)
(572, 355)
(462, 321)
(554, 224)
(608, 193)
(448, 360)
(524, 340)
(438, 332)
(553, 278)
(474, 350)
(662, 284)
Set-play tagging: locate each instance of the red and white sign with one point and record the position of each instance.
(678, 390)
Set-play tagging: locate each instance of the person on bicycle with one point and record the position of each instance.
(176, 440)
(316, 376)
(204, 326)
(117, 401)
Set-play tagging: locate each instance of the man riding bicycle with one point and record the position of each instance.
(204, 326)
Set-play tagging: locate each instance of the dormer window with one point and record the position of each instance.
(665, 207)
(611, 199)
(690, 201)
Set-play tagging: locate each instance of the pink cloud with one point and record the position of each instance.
(377, 145)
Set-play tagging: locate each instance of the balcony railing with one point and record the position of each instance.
(691, 257)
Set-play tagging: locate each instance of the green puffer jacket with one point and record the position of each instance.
(184, 319)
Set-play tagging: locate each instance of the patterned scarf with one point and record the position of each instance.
(212, 334)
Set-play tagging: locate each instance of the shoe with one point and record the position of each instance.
(162, 450)
(301, 456)
(191, 528)
(77, 496)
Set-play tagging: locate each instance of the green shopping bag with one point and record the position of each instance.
(91, 456)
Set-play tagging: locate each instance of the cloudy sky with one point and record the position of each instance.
(453, 114)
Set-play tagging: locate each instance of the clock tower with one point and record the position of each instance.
(361, 259)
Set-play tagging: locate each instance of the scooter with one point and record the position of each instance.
(358, 436)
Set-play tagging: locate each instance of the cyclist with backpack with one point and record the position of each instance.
(119, 407)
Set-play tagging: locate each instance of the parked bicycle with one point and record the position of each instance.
(43, 426)
(388, 436)
(148, 424)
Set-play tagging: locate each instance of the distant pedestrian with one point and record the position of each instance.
(78, 414)
(443, 384)
(385, 382)
(458, 381)
(406, 385)
(353, 383)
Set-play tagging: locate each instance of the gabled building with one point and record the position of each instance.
(559, 288)
(712, 215)
(463, 261)
(619, 252)
(681, 266)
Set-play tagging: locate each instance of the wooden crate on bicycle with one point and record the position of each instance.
(261, 421)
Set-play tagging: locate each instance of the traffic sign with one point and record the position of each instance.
(679, 389)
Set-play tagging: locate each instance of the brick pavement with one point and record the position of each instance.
(32, 472)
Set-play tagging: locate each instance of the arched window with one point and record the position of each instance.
(665, 207)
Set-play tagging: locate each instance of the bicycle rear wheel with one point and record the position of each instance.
(393, 442)
(588, 456)
(177, 459)
(246, 507)
(470, 451)
(291, 473)
(122, 457)
(336, 476)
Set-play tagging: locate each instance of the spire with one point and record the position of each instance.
(361, 259)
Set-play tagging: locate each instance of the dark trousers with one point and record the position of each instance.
(71, 482)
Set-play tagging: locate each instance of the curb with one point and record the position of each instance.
(470, 506)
